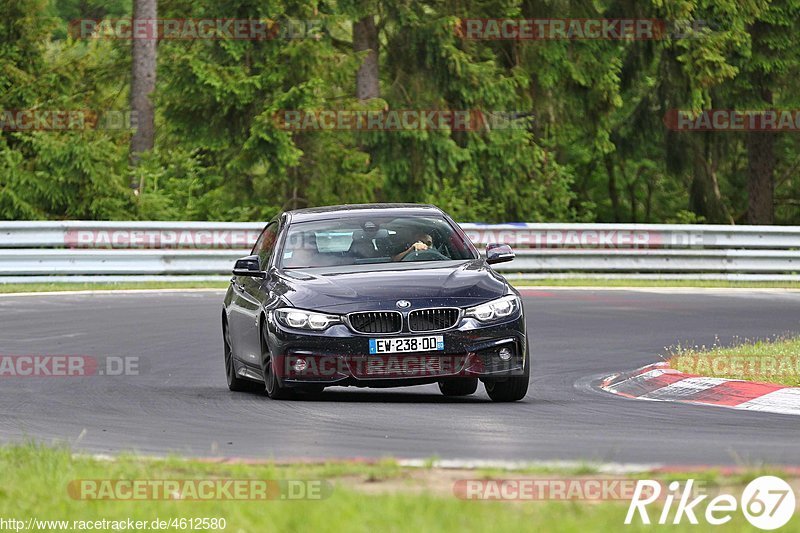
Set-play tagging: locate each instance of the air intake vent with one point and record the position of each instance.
(376, 321)
(433, 319)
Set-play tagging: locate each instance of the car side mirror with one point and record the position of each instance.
(498, 253)
(248, 266)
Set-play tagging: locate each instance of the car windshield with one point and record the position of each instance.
(366, 240)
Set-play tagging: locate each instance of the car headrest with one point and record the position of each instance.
(360, 234)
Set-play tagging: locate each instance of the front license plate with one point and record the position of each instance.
(407, 344)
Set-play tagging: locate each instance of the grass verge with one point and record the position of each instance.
(140, 285)
(363, 497)
(6, 288)
(774, 361)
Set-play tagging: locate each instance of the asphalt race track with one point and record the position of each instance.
(180, 403)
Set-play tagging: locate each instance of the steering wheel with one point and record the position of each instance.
(425, 255)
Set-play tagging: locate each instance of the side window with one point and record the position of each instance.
(266, 243)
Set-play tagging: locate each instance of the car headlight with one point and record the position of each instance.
(300, 319)
(495, 310)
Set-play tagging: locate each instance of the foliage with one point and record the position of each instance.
(589, 143)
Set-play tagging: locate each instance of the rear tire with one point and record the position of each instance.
(511, 389)
(458, 387)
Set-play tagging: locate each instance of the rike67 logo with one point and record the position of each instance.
(767, 502)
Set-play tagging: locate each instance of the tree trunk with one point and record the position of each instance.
(365, 37)
(143, 83)
(761, 144)
(613, 194)
(761, 173)
(705, 197)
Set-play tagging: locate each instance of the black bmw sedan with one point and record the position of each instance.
(376, 295)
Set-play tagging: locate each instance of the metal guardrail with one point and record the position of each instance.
(89, 234)
(123, 251)
(157, 235)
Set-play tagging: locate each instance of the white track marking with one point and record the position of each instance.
(684, 387)
(784, 401)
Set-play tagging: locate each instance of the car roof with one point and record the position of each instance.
(337, 211)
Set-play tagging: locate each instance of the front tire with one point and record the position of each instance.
(275, 389)
(459, 387)
(511, 389)
(235, 383)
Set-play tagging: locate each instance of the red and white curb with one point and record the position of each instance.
(659, 382)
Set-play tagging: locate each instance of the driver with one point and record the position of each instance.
(422, 241)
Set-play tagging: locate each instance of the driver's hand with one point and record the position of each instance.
(419, 246)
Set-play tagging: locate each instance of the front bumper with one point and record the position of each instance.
(340, 356)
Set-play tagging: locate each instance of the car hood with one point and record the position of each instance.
(368, 287)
